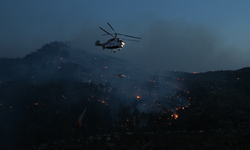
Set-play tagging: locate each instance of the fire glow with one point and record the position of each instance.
(176, 116)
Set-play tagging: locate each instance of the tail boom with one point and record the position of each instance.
(97, 43)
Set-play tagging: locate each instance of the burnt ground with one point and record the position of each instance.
(217, 139)
(218, 118)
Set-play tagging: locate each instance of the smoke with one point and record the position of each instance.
(170, 45)
(145, 90)
(184, 46)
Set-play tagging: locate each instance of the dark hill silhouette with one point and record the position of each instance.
(52, 50)
(43, 94)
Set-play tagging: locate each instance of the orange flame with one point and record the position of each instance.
(176, 116)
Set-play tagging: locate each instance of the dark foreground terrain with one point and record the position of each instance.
(213, 139)
(218, 117)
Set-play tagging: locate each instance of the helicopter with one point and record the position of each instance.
(120, 75)
(114, 43)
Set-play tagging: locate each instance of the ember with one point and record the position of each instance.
(175, 116)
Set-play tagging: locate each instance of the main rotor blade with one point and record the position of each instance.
(107, 34)
(125, 35)
(130, 40)
(129, 36)
(106, 31)
(110, 26)
(126, 39)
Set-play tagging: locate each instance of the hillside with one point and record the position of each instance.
(43, 94)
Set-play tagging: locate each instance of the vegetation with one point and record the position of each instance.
(43, 94)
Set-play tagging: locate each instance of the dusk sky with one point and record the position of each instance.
(183, 35)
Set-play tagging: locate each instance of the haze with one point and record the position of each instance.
(192, 36)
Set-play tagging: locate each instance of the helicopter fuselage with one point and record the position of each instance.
(114, 44)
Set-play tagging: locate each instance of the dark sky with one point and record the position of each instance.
(193, 36)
